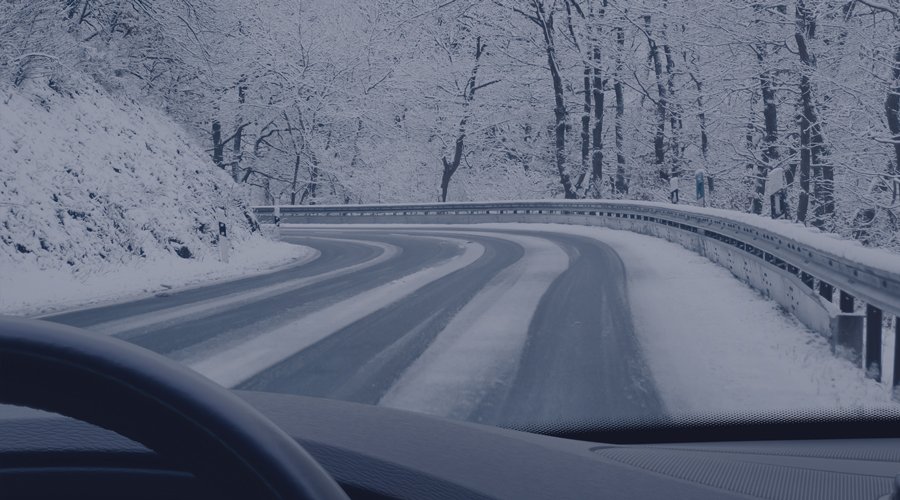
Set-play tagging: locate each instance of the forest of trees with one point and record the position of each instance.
(358, 101)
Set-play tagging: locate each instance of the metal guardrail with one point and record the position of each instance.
(853, 283)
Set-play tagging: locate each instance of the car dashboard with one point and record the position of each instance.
(376, 452)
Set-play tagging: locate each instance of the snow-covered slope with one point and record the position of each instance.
(90, 184)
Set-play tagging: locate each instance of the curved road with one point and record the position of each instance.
(498, 327)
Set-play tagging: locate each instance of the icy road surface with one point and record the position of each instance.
(495, 323)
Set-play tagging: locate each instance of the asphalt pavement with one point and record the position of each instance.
(580, 356)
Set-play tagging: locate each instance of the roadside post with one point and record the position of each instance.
(777, 194)
(896, 383)
(874, 332)
(224, 246)
(673, 188)
(277, 219)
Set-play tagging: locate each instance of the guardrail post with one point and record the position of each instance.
(873, 342)
(808, 279)
(847, 337)
(826, 291)
(847, 304)
(896, 383)
(224, 246)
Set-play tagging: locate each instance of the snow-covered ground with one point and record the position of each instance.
(215, 305)
(484, 341)
(30, 291)
(238, 363)
(712, 342)
(835, 244)
(103, 198)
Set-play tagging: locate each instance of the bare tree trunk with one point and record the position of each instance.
(545, 22)
(294, 181)
(236, 147)
(354, 162)
(236, 152)
(675, 123)
(694, 74)
(701, 118)
(892, 106)
(450, 167)
(659, 139)
(313, 185)
(267, 191)
(218, 147)
(596, 183)
(824, 187)
(750, 141)
(621, 183)
(586, 125)
(805, 161)
(770, 115)
(807, 117)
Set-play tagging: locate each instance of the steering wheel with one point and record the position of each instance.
(196, 424)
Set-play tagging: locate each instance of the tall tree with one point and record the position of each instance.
(618, 87)
(662, 101)
(597, 85)
(770, 154)
(543, 18)
(468, 94)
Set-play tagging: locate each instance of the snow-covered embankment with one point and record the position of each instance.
(103, 199)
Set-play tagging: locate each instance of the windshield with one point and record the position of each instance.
(516, 212)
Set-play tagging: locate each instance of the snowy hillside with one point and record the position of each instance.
(89, 183)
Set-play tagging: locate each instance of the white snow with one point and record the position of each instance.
(209, 307)
(713, 343)
(240, 362)
(97, 197)
(835, 244)
(27, 291)
(482, 344)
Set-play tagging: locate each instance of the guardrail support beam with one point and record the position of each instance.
(808, 279)
(847, 337)
(847, 302)
(896, 381)
(873, 342)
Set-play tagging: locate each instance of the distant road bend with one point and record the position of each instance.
(490, 326)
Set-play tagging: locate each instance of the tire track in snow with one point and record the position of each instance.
(191, 340)
(160, 318)
(481, 347)
(361, 362)
(238, 363)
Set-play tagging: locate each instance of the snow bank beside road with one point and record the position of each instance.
(104, 198)
(713, 343)
(28, 291)
(87, 180)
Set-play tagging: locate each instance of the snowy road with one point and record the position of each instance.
(489, 326)
(495, 323)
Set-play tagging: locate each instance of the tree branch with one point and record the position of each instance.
(880, 7)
